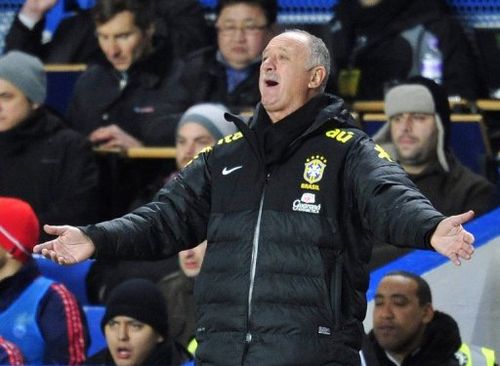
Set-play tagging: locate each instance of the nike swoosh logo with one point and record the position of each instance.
(227, 171)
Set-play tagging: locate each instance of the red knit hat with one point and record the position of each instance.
(19, 228)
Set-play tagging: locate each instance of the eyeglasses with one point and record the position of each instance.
(231, 30)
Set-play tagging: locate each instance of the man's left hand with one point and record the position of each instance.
(452, 240)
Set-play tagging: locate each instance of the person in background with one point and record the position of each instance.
(177, 289)
(287, 205)
(200, 126)
(135, 325)
(229, 73)
(417, 136)
(10, 354)
(407, 331)
(179, 24)
(41, 160)
(40, 316)
(377, 42)
(126, 101)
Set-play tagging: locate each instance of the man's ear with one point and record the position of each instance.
(318, 75)
(428, 313)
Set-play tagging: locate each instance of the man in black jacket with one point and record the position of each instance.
(126, 101)
(407, 331)
(287, 205)
(180, 24)
(42, 161)
(377, 42)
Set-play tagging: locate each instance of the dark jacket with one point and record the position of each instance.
(142, 108)
(180, 26)
(145, 109)
(387, 42)
(283, 279)
(177, 289)
(73, 41)
(59, 317)
(202, 78)
(456, 191)
(164, 354)
(52, 167)
(441, 342)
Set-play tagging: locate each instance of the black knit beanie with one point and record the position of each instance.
(139, 299)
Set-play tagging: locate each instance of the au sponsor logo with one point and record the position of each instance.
(340, 135)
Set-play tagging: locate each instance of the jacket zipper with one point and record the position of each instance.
(253, 263)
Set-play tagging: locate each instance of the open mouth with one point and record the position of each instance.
(271, 83)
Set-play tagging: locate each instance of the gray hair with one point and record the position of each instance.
(319, 54)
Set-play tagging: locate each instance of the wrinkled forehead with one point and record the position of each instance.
(289, 41)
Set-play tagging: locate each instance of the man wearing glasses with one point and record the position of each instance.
(229, 73)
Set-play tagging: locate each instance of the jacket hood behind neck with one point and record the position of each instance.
(442, 118)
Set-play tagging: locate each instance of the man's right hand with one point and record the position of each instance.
(36, 9)
(71, 245)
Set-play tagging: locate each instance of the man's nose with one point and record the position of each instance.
(123, 332)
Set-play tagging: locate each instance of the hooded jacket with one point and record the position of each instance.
(450, 186)
(387, 42)
(440, 343)
(283, 279)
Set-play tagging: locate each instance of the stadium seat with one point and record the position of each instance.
(94, 316)
(73, 277)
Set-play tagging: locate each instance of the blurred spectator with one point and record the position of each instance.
(135, 326)
(177, 289)
(42, 161)
(417, 136)
(179, 24)
(407, 331)
(10, 354)
(375, 42)
(229, 73)
(39, 315)
(127, 101)
(200, 126)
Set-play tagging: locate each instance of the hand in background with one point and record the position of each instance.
(113, 136)
(36, 9)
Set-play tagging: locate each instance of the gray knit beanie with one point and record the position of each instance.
(26, 73)
(210, 116)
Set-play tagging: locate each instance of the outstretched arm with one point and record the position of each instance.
(452, 240)
(71, 245)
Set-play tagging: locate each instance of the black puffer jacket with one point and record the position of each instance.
(283, 279)
(387, 42)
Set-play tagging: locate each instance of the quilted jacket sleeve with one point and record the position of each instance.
(391, 206)
(176, 220)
